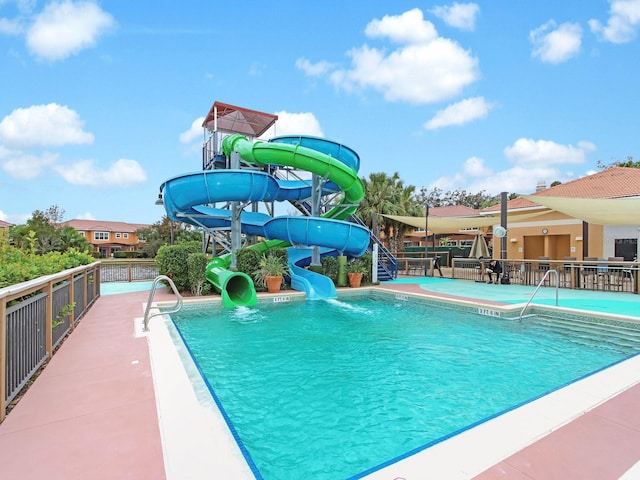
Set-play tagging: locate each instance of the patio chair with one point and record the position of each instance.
(542, 268)
(566, 272)
(615, 274)
(590, 273)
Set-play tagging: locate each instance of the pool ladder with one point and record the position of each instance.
(174, 309)
(555, 272)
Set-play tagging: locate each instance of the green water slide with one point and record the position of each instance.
(237, 288)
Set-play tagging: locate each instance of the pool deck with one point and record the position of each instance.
(94, 413)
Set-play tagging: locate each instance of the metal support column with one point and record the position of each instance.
(315, 212)
(236, 210)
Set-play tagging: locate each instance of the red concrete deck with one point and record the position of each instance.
(92, 414)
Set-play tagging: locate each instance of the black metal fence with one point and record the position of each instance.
(128, 270)
(603, 275)
(35, 317)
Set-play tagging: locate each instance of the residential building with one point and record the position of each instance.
(4, 228)
(109, 237)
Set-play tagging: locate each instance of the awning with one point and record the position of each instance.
(456, 224)
(234, 119)
(600, 211)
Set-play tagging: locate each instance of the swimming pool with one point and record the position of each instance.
(335, 389)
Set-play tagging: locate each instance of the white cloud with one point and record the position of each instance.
(314, 69)
(85, 216)
(624, 18)
(526, 152)
(295, 123)
(460, 113)
(194, 132)
(425, 68)
(556, 44)
(122, 173)
(65, 28)
(409, 27)
(43, 125)
(516, 179)
(476, 167)
(15, 218)
(458, 15)
(25, 166)
(533, 161)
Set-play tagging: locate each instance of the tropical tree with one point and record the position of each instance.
(165, 232)
(386, 194)
(629, 163)
(437, 198)
(42, 233)
(409, 206)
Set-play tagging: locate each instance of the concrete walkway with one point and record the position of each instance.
(91, 414)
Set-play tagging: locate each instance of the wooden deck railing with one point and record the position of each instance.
(35, 317)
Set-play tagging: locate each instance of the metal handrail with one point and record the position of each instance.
(174, 309)
(538, 288)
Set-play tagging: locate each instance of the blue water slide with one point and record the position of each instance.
(188, 197)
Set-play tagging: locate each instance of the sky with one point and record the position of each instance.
(101, 102)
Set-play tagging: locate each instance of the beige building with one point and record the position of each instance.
(543, 232)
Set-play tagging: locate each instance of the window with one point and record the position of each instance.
(118, 234)
(125, 235)
(101, 235)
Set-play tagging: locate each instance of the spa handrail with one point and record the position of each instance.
(555, 272)
(174, 309)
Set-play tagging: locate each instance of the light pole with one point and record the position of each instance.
(426, 237)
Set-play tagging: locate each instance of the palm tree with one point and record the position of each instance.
(409, 206)
(386, 194)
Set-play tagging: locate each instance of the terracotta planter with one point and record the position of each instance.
(273, 283)
(354, 279)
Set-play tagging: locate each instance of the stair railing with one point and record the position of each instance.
(174, 309)
(555, 272)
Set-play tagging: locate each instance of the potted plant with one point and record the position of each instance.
(355, 270)
(272, 270)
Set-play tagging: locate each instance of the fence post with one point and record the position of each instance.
(3, 358)
(72, 299)
(48, 321)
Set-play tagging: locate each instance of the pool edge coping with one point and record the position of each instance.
(443, 458)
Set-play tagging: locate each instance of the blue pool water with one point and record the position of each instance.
(331, 390)
(114, 288)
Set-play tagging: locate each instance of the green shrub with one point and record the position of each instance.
(128, 254)
(248, 261)
(367, 261)
(197, 265)
(17, 266)
(172, 262)
(330, 268)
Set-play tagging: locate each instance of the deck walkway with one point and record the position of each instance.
(92, 414)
